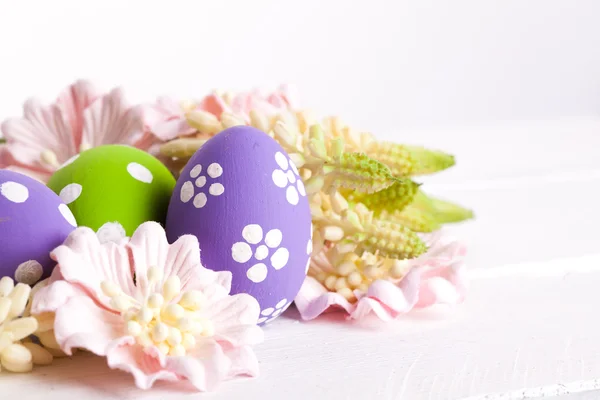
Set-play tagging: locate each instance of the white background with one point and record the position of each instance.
(381, 64)
(511, 87)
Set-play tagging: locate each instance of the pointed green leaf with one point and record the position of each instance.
(429, 161)
(443, 211)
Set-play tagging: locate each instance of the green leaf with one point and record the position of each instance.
(389, 239)
(2, 140)
(391, 199)
(443, 211)
(429, 161)
(411, 160)
(359, 172)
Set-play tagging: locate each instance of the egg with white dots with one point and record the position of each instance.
(33, 222)
(243, 198)
(114, 185)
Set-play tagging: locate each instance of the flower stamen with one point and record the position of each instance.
(166, 319)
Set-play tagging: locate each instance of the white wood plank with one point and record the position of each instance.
(513, 334)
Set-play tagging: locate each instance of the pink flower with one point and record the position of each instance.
(49, 135)
(166, 119)
(150, 308)
(437, 277)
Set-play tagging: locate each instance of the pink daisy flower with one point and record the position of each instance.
(46, 136)
(150, 308)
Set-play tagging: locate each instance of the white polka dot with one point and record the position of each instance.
(273, 238)
(282, 160)
(301, 188)
(291, 194)
(309, 247)
(261, 252)
(279, 178)
(70, 193)
(201, 181)
(281, 303)
(196, 171)
(262, 319)
(187, 192)
(67, 214)
(241, 252)
(216, 189)
(307, 266)
(69, 161)
(253, 233)
(214, 170)
(291, 177)
(14, 192)
(294, 168)
(200, 200)
(257, 273)
(276, 314)
(139, 172)
(267, 311)
(280, 258)
(29, 272)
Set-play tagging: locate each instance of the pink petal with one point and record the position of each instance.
(314, 299)
(73, 101)
(80, 323)
(166, 120)
(145, 366)
(41, 128)
(388, 300)
(54, 296)
(84, 260)
(35, 173)
(443, 285)
(110, 121)
(207, 365)
(215, 105)
(149, 246)
(167, 130)
(243, 362)
(169, 107)
(235, 319)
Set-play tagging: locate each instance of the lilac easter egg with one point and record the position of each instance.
(242, 197)
(33, 222)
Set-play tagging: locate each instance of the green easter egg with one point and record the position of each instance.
(114, 183)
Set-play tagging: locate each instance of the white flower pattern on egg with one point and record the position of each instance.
(288, 178)
(215, 189)
(253, 246)
(269, 314)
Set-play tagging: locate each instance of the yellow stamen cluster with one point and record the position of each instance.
(17, 353)
(44, 333)
(167, 318)
(340, 270)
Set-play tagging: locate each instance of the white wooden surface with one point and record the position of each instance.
(528, 329)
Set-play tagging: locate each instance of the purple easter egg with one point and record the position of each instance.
(242, 197)
(33, 222)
